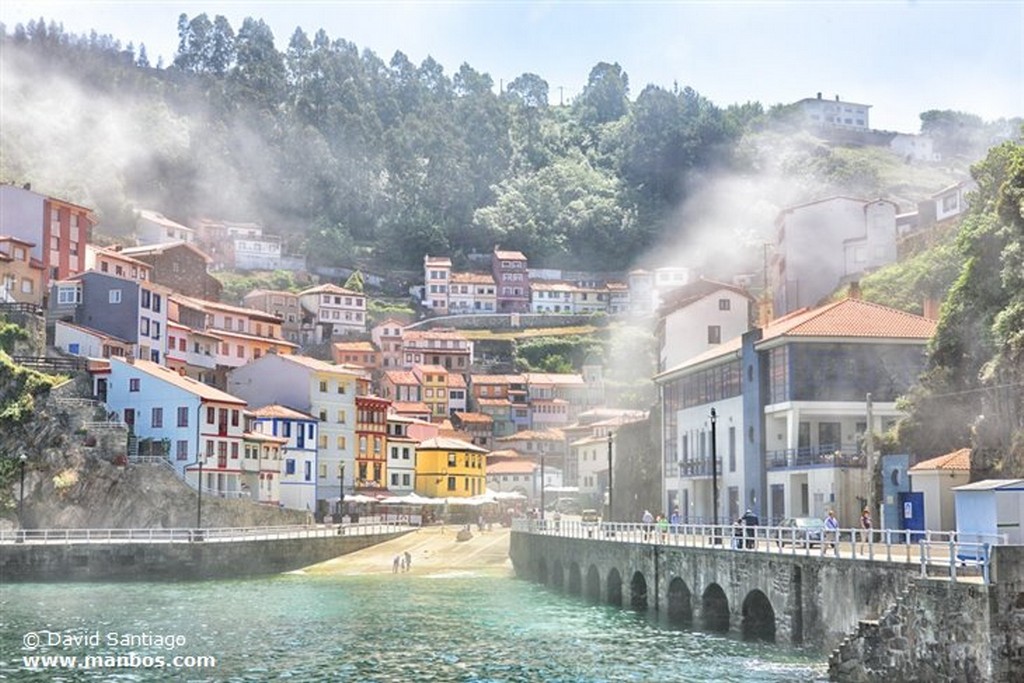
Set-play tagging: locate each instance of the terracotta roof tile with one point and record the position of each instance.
(957, 460)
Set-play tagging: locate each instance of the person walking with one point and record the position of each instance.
(648, 521)
(408, 561)
(830, 534)
(396, 563)
(865, 526)
(750, 521)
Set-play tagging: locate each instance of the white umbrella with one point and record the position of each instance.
(509, 495)
(360, 498)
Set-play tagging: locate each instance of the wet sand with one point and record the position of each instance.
(434, 552)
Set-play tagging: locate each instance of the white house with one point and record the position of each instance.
(335, 310)
(152, 227)
(187, 421)
(401, 465)
(835, 113)
(936, 478)
(822, 244)
(326, 392)
(297, 480)
(697, 317)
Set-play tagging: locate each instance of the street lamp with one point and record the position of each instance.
(714, 470)
(542, 485)
(199, 500)
(610, 517)
(341, 489)
(22, 459)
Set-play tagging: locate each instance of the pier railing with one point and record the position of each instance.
(938, 553)
(206, 534)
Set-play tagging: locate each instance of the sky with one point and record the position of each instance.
(902, 58)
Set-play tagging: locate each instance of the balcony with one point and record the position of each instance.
(698, 468)
(825, 455)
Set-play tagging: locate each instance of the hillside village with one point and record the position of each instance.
(767, 391)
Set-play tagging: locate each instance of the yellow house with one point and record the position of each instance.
(450, 468)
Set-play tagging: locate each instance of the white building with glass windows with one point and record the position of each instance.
(791, 411)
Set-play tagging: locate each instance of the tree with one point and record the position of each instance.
(976, 360)
(355, 282)
(530, 90)
(605, 98)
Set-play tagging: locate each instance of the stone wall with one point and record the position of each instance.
(944, 631)
(173, 561)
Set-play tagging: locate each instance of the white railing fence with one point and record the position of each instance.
(946, 552)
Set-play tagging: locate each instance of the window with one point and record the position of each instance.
(323, 415)
(147, 297)
(341, 417)
(183, 416)
(451, 460)
(234, 450)
(134, 383)
(405, 480)
(26, 286)
(714, 334)
(182, 450)
(394, 479)
(724, 304)
(129, 416)
(211, 415)
(342, 443)
(451, 483)
(68, 295)
(234, 418)
(157, 418)
(144, 327)
(341, 387)
(114, 296)
(209, 448)
(289, 466)
(323, 387)
(322, 442)
(307, 471)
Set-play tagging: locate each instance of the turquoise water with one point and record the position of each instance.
(456, 627)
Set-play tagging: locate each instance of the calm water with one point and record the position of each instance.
(457, 627)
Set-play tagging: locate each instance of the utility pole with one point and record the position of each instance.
(542, 485)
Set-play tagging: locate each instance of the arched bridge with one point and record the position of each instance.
(788, 593)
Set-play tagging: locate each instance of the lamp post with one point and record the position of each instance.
(199, 500)
(610, 517)
(341, 489)
(542, 485)
(714, 471)
(22, 459)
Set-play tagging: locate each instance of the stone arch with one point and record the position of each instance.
(614, 590)
(638, 592)
(593, 591)
(557, 575)
(542, 571)
(758, 617)
(680, 603)
(715, 609)
(574, 580)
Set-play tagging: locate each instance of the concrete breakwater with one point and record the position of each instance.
(182, 555)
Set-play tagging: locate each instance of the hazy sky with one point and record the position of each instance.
(900, 57)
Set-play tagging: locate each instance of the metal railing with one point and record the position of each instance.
(206, 534)
(944, 553)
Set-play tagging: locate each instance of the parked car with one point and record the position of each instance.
(805, 531)
(590, 517)
(566, 506)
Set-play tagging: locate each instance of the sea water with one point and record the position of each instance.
(458, 626)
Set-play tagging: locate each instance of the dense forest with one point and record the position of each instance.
(355, 160)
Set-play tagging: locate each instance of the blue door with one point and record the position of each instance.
(912, 512)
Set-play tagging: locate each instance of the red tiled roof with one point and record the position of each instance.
(471, 418)
(534, 435)
(418, 335)
(456, 381)
(415, 407)
(401, 377)
(472, 279)
(497, 379)
(512, 467)
(957, 460)
(553, 378)
(330, 289)
(851, 318)
(363, 346)
(190, 385)
(321, 366)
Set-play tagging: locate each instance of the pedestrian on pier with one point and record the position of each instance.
(408, 561)
(865, 526)
(750, 520)
(396, 564)
(830, 535)
(648, 522)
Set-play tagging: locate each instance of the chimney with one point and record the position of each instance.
(930, 308)
(27, 186)
(837, 98)
(854, 290)
(819, 96)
